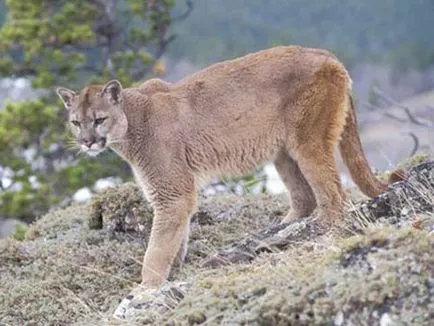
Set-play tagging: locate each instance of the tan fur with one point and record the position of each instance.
(288, 104)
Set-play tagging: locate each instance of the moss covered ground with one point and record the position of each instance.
(73, 267)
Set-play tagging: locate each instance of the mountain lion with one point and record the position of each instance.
(290, 105)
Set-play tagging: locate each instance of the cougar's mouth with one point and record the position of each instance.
(95, 148)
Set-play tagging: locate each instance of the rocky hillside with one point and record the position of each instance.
(74, 266)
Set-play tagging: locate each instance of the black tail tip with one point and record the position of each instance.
(397, 175)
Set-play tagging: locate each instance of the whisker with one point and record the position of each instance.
(72, 146)
(116, 141)
(80, 152)
(71, 142)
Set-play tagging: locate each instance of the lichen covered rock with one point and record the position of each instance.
(121, 209)
(403, 204)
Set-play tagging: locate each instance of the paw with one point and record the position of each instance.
(319, 220)
(144, 303)
(326, 220)
(293, 215)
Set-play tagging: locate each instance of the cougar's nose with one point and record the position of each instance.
(88, 141)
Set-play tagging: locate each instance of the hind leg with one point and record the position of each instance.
(318, 165)
(301, 197)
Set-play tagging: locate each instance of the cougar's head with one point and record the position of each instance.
(96, 116)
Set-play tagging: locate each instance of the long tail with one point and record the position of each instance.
(354, 157)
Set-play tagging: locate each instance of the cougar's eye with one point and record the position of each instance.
(100, 120)
(75, 123)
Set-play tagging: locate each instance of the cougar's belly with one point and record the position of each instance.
(228, 156)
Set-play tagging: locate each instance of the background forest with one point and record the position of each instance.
(51, 43)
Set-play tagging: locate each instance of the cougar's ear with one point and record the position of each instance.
(66, 95)
(112, 91)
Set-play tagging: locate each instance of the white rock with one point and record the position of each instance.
(82, 195)
(339, 318)
(105, 183)
(386, 320)
(150, 302)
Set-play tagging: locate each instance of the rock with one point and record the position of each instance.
(385, 320)
(401, 203)
(339, 318)
(121, 209)
(145, 305)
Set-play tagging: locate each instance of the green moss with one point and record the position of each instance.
(416, 159)
(20, 231)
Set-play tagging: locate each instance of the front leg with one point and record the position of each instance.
(173, 206)
(182, 252)
(174, 201)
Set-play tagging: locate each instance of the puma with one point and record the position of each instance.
(290, 105)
